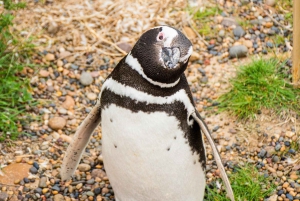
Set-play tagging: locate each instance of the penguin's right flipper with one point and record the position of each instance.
(80, 141)
(205, 130)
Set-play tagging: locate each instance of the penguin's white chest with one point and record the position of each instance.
(147, 157)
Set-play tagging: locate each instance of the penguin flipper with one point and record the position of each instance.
(217, 157)
(79, 142)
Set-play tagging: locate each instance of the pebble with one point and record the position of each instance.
(278, 147)
(125, 46)
(228, 22)
(50, 57)
(33, 170)
(91, 96)
(84, 167)
(43, 182)
(86, 78)
(59, 197)
(69, 103)
(270, 2)
(52, 27)
(238, 51)
(44, 73)
(3, 196)
(189, 33)
(238, 32)
(57, 123)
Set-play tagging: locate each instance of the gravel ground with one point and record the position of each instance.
(70, 78)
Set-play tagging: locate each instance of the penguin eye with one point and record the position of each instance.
(160, 36)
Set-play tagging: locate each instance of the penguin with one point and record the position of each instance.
(152, 144)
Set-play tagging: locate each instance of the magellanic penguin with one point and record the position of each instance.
(152, 144)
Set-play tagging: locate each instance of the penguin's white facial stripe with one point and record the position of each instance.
(134, 64)
(140, 96)
(185, 58)
(168, 35)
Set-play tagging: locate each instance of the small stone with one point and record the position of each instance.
(78, 186)
(3, 196)
(52, 27)
(289, 196)
(36, 165)
(279, 173)
(45, 190)
(238, 32)
(33, 170)
(238, 51)
(270, 2)
(204, 79)
(59, 197)
(97, 191)
(273, 198)
(43, 182)
(287, 143)
(275, 159)
(277, 147)
(105, 190)
(92, 96)
(69, 103)
(262, 153)
(294, 177)
(228, 21)
(38, 190)
(125, 46)
(98, 173)
(189, 32)
(86, 78)
(84, 167)
(57, 123)
(248, 43)
(222, 33)
(50, 57)
(195, 56)
(44, 73)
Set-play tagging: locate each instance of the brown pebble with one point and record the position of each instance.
(285, 185)
(105, 190)
(50, 57)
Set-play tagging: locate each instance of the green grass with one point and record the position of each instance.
(247, 185)
(202, 19)
(206, 13)
(14, 89)
(259, 85)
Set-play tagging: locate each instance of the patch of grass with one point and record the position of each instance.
(246, 184)
(206, 13)
(244, 23)
(14, 90)
(259, 85)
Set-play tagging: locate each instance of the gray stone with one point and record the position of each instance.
(278, 147)
(3, 196)
(43, 182)
(86, 78)
(238, 51)
(238, 31)
(222, 33)
(227, 21)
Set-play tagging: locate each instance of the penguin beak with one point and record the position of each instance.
(170, 56)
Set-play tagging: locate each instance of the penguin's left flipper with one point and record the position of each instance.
(80, 141)
(205, 130)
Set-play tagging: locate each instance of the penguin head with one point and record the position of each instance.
(162, 53)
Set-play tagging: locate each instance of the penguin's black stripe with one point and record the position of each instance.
(124, 74)
(193, 135)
